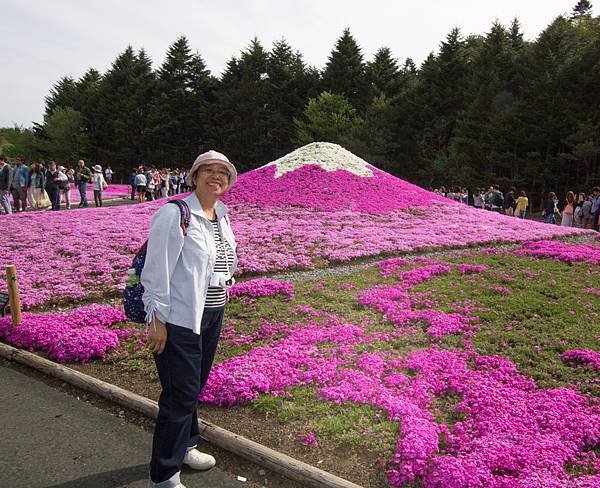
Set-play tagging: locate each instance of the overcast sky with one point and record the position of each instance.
(43, 40)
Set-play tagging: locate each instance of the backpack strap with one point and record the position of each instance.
(184, 222)
(184, 217)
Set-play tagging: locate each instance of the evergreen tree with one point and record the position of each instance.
(289, 84)
(125, 96)
(439, 99)
(179, 113)
(383, 75)
(242, 105)
(344, 72)
(583, 8)
(62, 94)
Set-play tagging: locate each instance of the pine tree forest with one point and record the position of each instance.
(484, 109)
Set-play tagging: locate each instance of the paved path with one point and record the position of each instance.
(51, 439)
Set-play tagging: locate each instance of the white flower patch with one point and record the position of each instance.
(330, 157)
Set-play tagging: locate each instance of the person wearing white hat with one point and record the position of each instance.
(64, 185)
(98, 184)
(186, 279)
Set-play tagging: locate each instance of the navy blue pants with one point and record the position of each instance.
(54, 195)
(183, 368)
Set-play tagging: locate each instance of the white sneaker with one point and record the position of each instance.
(172, 482)
(198, 460)
(152, 485)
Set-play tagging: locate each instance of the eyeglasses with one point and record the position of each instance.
(221, 173)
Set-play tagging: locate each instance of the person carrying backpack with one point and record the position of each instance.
(187, 271)
(497, 199)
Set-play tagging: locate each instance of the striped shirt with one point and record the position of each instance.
(216, 296)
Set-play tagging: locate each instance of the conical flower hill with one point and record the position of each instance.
(326, 176)
(317, 205)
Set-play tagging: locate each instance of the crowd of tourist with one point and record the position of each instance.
(579, 210)
(152, 183)
(42, 185)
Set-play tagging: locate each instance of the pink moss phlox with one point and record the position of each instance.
(294, 360)
(77, 335)
(561, 251)
(471, 268)
(389, 266)
(586, 357)
(425, 273)
(308, 439)
(337, 190)
(262, 287)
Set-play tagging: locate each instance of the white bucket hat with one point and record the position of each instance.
(97, 168)
(211, 157)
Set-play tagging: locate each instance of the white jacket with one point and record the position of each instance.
(178, 269)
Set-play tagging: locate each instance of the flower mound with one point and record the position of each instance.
(569, 253)
(262, 288)
(78, 335)
(582, 356)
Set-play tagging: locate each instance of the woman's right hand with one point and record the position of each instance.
(157, 336)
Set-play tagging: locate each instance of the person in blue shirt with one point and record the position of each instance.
(595, 207)
(19, 184)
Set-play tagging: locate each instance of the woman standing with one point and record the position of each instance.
(71, 181)
(550, 209)
(98, 184)
(164, 183)
(521, 205)
(36, 185)
(185, 281)
(567, 213)
(53, 185)
(140, 185)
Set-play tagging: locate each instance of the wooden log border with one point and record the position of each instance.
(280, 463)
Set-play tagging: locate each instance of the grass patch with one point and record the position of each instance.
(545, 312)
(350, 425)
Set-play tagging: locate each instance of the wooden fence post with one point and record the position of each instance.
(14, 299)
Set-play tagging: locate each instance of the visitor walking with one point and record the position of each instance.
(98, 185)
(568, 210)
(19, 185)
(164, 183)
(132, 176)
(52, 185)
(38, 198)
(586, 213)
(66, 187)
(108, 174)
(595, 207)
(578, 213)
(551, 208)
(185, 282)
(140, 185)
(478, 198)
(521, 205)
(5, 177)
(510, 202)
(83, 176)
